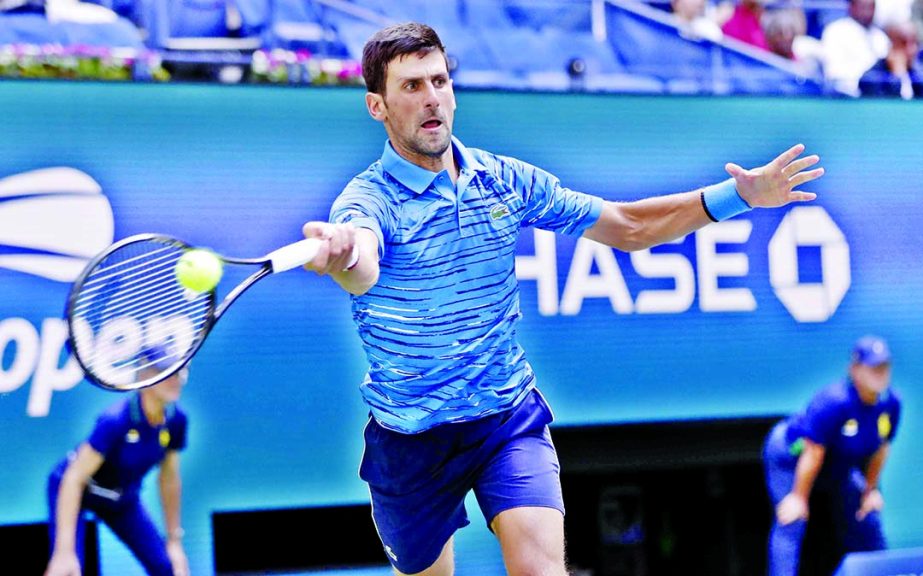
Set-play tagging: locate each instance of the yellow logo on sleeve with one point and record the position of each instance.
(884, 425)
(164, 437)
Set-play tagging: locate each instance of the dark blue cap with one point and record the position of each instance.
(871, 351)
(157, 356)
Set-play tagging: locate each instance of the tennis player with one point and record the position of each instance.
(836, 449)
(103, 476)
(453, 401)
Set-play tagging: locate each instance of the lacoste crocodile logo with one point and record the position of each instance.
(498, 211)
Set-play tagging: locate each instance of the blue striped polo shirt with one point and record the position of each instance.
(439, 327)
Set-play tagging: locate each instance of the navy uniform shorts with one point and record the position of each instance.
(418, 482)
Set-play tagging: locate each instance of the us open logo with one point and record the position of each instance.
(52, 221)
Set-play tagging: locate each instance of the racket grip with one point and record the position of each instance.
(300, 253)
(294, 255)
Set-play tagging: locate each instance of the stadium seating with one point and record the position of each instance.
(34, 28)
(628, 46)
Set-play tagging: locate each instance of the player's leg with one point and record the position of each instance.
(784, 541)
(132, 524)
(443, 566)
(417, 484)
(861, 536)
(532, 540)
(519, 491)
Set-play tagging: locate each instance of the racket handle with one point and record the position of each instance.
(294, 255)
(300, 253)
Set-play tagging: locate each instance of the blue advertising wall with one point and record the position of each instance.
(743, 318)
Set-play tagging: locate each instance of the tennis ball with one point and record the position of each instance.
(199, 270)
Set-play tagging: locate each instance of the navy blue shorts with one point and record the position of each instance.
(418, 482)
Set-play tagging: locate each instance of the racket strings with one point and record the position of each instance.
(131, 304)
(123, 268)
(141, 280)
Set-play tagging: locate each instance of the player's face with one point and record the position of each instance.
(170, 389)
(418, 106)
(872, 380)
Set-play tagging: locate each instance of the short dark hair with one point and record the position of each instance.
(393, 42)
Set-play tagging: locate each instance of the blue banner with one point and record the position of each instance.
(743, 318)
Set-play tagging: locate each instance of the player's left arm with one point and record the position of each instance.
(170, 496)
(644, 223)
(872, 500)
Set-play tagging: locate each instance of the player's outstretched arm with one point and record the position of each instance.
(644, 223)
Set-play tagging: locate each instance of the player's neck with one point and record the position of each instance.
(866, 396)
(153, 409)
(446, 161)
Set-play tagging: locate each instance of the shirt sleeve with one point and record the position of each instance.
(822, 420)
(178, 433)
(363, 205)
(895, 416)
(106, 434)
(548, 205)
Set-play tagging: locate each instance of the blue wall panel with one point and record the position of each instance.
(746, 318)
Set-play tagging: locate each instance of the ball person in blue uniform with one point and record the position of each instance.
(104, 475)
(836, 449)
(453, 400)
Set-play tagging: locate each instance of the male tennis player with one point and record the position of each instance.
(104, 474)
(453, 400)
(837, 448)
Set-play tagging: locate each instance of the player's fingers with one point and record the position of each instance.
(800, 164)
(314, 229)
(319, 262)
(802, 177)
(798, 196)
(785, 158)
(734, 170)
(341, 244)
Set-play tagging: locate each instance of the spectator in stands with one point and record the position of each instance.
(744, 24)
(897, 74)
(786, 34)
(104, 474)
(692, 21)
(852, 45)
(834, 450)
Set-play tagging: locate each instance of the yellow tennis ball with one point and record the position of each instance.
(199, 270)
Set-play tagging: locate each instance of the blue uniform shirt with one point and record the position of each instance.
(439, 327)
(131, 446)
(850, 430)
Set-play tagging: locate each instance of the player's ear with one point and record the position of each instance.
(376, 106)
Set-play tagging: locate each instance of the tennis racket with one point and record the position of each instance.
(131, 324)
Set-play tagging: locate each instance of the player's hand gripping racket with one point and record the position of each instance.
(132, 323)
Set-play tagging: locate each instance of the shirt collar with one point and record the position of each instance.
(419, 179)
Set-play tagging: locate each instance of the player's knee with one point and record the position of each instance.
(539, 565)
